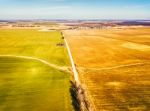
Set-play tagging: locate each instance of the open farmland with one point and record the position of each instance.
(113, 66)
(33, 43)
(34, 72)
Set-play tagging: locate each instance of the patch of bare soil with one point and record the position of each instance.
(45, 30)
(136, 46)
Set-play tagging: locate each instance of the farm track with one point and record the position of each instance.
(72, 63)
(40, 60)
(82, 96)
(114, 67)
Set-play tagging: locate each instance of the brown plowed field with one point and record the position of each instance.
(114, 67)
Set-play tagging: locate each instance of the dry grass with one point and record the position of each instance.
(115, 74)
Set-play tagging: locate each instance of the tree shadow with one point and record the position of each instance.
(74, 95)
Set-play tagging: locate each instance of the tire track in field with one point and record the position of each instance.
(61, 68)
(114, 67)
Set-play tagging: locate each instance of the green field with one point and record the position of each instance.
(33, 43)
(27, 84)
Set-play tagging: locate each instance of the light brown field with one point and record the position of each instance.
(114, 67)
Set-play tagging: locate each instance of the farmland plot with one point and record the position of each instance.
(113, 67)
(33, 71)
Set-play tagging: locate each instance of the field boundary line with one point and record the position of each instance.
(115, 67)
(75, 72)
(76, 77)
(40, 60)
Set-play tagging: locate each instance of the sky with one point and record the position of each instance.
(75, 9)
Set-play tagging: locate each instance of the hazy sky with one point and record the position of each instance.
(74, 9)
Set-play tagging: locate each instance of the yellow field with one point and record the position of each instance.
(113, 66)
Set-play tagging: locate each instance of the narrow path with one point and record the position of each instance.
(114, 67)
(40, 60)
(81, 95)
(75, 72)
